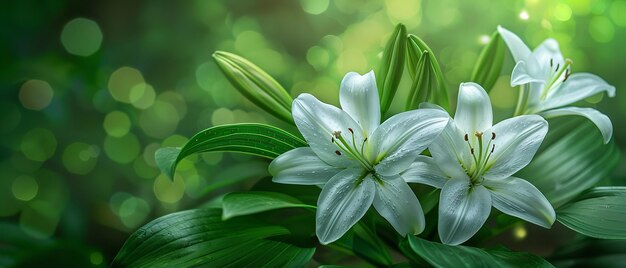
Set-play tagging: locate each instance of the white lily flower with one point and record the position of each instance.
(473, 163)
(549, 85)
(356, 159)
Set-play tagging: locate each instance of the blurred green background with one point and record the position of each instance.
(91, 90)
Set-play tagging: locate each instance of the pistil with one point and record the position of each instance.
(351, 150)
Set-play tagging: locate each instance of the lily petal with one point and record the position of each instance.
(317, 121)
(397, 141)
(301, 166)
(522, 75)
(548, 51)
(462, 211)
(473, 110)
(599, 119)
(577, 87)
(396, 202)
(518, 49)
(519, 198)
(450, 151)
(342, 203)
(358, 96)
(424, 170)
(517, 140)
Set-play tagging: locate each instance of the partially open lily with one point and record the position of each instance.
(473, 163)
(548, 83)
(356, 159)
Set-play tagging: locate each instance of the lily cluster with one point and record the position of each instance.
(359, 161)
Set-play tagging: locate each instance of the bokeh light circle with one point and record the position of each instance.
(122, 81)
(25, 188)
(36, 94)
(38, 144)
(80, 158)
(122, 150)
(81, 37)
(116, 124)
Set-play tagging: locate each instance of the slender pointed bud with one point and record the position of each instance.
(489, 65)
(392, 65)
(493, 135)
(338, 152)
(466, 138)
(437, 92)
(255, 84)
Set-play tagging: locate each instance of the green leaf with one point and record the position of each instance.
(599, 213)
(255, 139)
(587, 252)
(390, 71)
(489, 64)
(254, 83)
(416, 48)
(570, 161)
(245, 203)
(440, 255)
(199, 237)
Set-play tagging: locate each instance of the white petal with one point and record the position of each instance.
(518, 49)
(358, 96)
(428, 105)
(397, 141)
(424, 170)
(517, 141)
(301, 166)
(522, 75)
(317, 121)
(342, 203)
(450, 150)
(396, 202)
(519, 198)
(548, 51)
(577, 87)
(599, 119)
(462, 211)
(473, 109)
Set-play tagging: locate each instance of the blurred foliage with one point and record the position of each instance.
(89, 91)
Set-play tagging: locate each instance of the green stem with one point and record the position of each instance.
(522, 101)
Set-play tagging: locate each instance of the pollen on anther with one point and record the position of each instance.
(472, 150)
(351, 131)
(493, 135)
(338, 152)
(493, 148)
(465, 137)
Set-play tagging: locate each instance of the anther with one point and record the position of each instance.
(557, 68)
(493, 148)
(493, 135)
(332, 139)
(472, 150)
(551, 62)
(465, 137)
(567, 74)
(338, 152)
(351, 131)
(365, 140)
